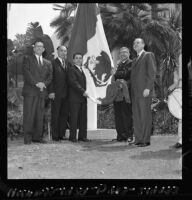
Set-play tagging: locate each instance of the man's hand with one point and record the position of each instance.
(98, 102)
(113, 70)
(172, 87)
(120, 86)
(85, 94)
(52, 96)
(146, 92)
(41, 85)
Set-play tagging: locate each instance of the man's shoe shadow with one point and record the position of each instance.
(106, 145)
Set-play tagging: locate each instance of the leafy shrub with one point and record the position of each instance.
(105, 117)
(15, 122)
(163, 121)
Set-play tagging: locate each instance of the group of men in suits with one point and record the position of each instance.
(65, 85)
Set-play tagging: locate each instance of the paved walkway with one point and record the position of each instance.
(99, 159)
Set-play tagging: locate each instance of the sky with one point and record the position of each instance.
(21, 15)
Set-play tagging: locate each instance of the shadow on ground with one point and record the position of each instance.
(165, 154)
(108, 146)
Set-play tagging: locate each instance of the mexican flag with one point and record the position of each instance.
(88, 37)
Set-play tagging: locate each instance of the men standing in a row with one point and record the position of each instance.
(77, 100)
(122, 109)
(58, 92)
(37, 73)
(142, 80)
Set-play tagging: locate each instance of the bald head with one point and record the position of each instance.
(62, 52)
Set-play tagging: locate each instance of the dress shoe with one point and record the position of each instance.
(130, 139)
(39, 141)
(119, 140)
(35, 141)
(144, 144)
(134, 143)
(43, 141)
(27, 142)
(56, 139)
(63, 138)
(176, 146)
(73, 140)
(84, 140)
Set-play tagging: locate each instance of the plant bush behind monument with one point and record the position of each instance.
(163, 122)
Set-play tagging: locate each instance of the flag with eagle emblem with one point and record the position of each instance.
(88, 37)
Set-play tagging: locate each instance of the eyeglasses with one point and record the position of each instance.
(39, 46)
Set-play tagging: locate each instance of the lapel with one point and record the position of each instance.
(79, 72)
(35, 60)
(59, 64)
(136, 61)
(40, 69)
(77, 69)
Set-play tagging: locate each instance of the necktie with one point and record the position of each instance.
(137, 57)
(39, 61)
(63, 64)
(81, 69)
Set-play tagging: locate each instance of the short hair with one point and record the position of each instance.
(61, 46)
(124, 49)
(39, 40)
(77, 53)
(141, 40)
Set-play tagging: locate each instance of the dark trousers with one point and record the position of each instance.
(59, 116)
(78, 118)
(123, 119)
(33, 115)
(142, 119)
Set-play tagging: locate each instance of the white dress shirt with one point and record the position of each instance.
(62, 62)
(140, 53)
(41, 59)
(80, 68)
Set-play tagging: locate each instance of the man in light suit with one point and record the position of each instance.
(77, 100)
(142, 80)
(58, 92)
(37, 74)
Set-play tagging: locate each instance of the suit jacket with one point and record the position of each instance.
(33, 74)
(124, 71)
(143, 74)
(59, 84)
(77, 84)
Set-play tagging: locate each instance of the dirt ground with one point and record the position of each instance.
(99, 159)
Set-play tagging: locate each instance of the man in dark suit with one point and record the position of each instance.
(37, 73)
(77, 100)
(122, 109)
(142, 80)
(58, 92)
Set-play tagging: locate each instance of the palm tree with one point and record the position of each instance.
(123, 22)
(64, 22)
(35, 31)
(165, 41)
